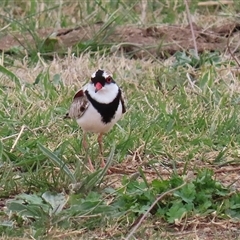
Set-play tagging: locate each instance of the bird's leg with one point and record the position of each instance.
(100, 136)
(100, 143)
(85, 146)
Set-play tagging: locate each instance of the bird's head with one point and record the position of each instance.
(101, 80)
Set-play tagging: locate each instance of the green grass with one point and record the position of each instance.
(176, 123)
(183, 117)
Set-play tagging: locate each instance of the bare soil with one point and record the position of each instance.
(160, 41)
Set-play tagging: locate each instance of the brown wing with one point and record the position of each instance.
(123, 99)
(79, 105)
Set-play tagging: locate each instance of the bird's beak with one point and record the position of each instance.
(98, 87)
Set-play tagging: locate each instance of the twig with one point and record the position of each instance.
(143, 14)
(16, 134)
(120, 170)
(212, 3)
(150, 208)
(18, 137)
(75, 232)
(227, 170)
(41, 60)
(5, 27)
(191, 27)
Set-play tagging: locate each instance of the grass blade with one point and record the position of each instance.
(108, 164)
(95, 178)
(57, 161)
(11, 75)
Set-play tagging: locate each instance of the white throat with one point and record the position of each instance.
(105, 95)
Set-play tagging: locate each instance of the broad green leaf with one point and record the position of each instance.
(176, 212)
(16, 206)
(57, 201)
(160, 185)
(30, 198)
(57, 79)
(29, 211)
(187, 193)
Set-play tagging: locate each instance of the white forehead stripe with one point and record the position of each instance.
(93, 75)
(105, 74)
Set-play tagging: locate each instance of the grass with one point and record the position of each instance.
(182, 119)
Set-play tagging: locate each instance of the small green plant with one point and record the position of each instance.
(37, 211)
(202, 196)
(191, 59)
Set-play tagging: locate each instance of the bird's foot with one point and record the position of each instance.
(103, 164)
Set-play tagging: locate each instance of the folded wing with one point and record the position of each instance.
(79, 105)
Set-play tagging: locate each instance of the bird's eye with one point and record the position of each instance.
(108, 79)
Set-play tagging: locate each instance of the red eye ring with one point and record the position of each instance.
(108, 79)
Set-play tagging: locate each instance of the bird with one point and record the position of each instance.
(97, 107)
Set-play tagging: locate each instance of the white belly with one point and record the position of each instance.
(91, 120)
